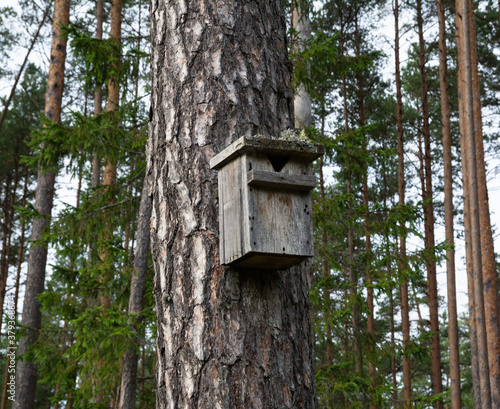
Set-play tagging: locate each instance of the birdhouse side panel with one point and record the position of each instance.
(232, 212)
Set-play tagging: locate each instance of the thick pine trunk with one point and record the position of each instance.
(136, 300)
(448, 213)
(227, 338)
(26, 374)
(490, 280)
(403, 288)
(432, 292)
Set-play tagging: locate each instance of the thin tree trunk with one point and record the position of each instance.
(453, 341)
(403, 288)
(9, 221)
(326, 267)
(96, 167)
(109, 177)
(16, 285)
(432, 291)
(26, 374)
(467, 229)
(302, 100)
(18, 76)
(136, 300)
(227, 338)
(472, 192)
(368, 243)
(490, 279)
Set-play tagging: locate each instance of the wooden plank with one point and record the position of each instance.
(280, 180)
(300, 149)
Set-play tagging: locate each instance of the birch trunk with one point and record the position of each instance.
(227, 338)
(26, 373)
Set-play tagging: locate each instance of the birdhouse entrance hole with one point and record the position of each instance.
(278, 162)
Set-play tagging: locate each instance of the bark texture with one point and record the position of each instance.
(226, 338)
(136, 300)
(26, 374)
(448, 213)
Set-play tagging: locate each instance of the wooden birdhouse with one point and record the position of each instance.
(265, 214)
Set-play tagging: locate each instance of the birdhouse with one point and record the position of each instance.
(265, 214)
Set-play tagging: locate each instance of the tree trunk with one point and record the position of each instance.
(96, 167)
(26, 374)
(326, 267)
(109, 176)
(471, 179)
(453, 341)
(368, 242)
(490, 279)
(227, 338)
(9, 221)
(467, 229)
(136, 300)
(16, 285)
(437, 385)
(403, 288)
(301, 100)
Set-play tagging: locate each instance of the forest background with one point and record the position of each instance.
(89, 267)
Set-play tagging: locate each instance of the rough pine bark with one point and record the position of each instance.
(490, 280)
(26, 373)
(448, 213)
(136, 299)
(403, 288)
(427, 196)
(227, 338)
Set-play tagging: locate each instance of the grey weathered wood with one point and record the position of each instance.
(280, 180)
(297, 148)
(265, 216)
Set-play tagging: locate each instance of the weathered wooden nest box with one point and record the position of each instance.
(265, 215)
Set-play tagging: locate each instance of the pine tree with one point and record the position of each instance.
(26, 373)
(236, 349)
